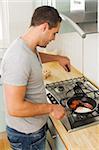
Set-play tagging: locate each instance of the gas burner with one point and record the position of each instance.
(61, 92)
(60, 88)
(79, 83)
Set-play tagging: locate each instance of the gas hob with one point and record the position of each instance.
(60, 92)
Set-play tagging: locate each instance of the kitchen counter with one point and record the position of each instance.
(83, 139)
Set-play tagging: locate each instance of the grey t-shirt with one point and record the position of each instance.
(22, 67)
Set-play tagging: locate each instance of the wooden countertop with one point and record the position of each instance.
(83, 139)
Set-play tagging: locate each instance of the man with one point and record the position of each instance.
(27, 109)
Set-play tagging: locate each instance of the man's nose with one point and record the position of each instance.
(53, 38)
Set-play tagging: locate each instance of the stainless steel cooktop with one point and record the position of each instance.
(60, 92)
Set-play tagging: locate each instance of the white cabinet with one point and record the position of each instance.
(91, 57)
(53, 139)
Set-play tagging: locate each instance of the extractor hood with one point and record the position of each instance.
(86, 13)
(86, 16)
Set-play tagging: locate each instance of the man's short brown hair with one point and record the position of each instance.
(46, 14)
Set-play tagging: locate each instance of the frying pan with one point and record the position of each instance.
(84, 100)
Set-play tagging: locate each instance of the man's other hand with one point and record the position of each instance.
(64, 62)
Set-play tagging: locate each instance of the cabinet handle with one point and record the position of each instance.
(54, 136)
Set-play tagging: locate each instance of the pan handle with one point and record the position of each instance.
(68, 111)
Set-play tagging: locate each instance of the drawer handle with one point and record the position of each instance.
(54, 136)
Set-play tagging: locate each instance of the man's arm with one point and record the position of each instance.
(19, 107)
(63, 61)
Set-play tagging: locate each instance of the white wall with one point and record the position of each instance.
(20, 13)
(68, 44)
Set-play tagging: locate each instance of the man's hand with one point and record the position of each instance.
(64, 62)
(58, 111)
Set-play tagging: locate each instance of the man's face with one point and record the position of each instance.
(48, 35)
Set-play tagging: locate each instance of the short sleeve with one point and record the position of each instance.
(16, 72)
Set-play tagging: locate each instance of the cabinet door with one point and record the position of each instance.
(53, 138)
(48, 145)
(59, 144)
(50, 141)
(91, 60)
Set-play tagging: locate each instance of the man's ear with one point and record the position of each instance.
(45, 26)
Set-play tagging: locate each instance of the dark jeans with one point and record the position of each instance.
(32, 141)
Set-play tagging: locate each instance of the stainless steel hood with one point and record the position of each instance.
(89, 14)
(82, 17)
(86, 19)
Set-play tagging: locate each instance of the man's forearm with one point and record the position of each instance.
(48, 57)
(63, 60)
(29, 109)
